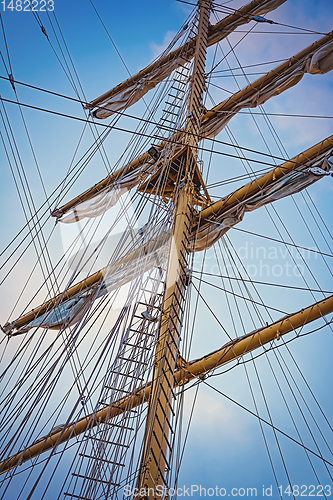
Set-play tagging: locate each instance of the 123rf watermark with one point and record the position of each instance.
(197, 491)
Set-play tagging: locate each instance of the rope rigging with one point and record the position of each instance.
(79, 387)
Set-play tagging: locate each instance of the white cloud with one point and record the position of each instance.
(157, 49)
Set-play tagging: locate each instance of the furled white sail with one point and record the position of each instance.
(133, 93)
(212, 229)
(149, 252)
(318, 62)
(108, 197)
(136, 87)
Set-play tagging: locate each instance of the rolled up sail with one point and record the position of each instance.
(315, 59)
(212, 229)
(72, 305)
(132, 90)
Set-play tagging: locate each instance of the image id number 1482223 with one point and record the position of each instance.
(28, 5)
(306, 491)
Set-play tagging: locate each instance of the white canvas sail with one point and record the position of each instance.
(211, 230)
(318, 62)
(135, 88)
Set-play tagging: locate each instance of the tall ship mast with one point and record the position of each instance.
(155, 297)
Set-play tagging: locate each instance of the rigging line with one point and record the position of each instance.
(28, 188)
(212, 312)
(149, 136)
(4, 63)
(245, 366)
(7, 50)
(204, 256)
(65, 254)
(266, 422)
(265, 350)
(22, 176)
(259, 282)
(321, 218)
(278, 241)
(22, 253)
(84, 103)
(270, 151)
(180, 459)
(164, 127)
(283, 151)
(288, 115)
(219, 8)
(104, 158)
(54, 51)
(236, 178)
(271, 421)
(277, 32)
(234, 267)
(107, 32)
(307, 384)
(301, 256)
(226, 243)
(59, 186)
(31, 219)
(301, 411)
(252, 65)
(261, 426)
(310, 232)
(32, 369)
(232, 49)
(314, 218)
(204, 103)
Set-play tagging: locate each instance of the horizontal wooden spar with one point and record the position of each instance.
(48, 305)
(107, 181)
(83, 285)
(75, 429)
(216, 33)
(254, 87)
(256, 185)
(196, 368)
(242, 345)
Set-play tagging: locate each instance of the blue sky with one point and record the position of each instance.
(225, 445)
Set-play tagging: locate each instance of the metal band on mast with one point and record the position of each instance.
(154, 461)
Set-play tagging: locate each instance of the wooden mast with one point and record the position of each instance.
(154, 460)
